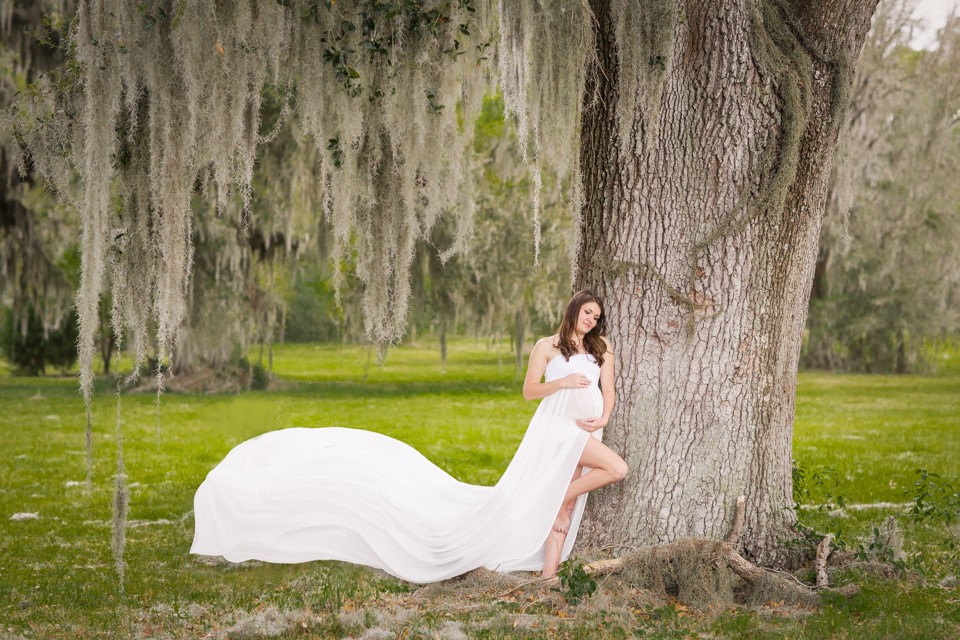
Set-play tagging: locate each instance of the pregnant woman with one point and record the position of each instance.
(299, 494)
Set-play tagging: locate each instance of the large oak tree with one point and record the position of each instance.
(701, 215)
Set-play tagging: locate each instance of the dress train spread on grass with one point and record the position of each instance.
(300, 494)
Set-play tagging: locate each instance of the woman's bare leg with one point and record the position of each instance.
(551, 557)
(558, 535)
(607, 468)
(562, 523)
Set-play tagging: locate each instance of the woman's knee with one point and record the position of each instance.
(619, 469)
(598, 455)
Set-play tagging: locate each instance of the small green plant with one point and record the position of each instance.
(881, 547)
(825, 482)
(575, 582)
(935, 500)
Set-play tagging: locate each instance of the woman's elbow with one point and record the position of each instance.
(528, 393)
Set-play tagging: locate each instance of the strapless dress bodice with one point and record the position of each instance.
(584, 363)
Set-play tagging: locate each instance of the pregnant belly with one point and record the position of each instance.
(583, 403)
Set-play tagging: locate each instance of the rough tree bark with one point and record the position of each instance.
(701, 236)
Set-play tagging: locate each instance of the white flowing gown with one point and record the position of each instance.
(301, 494)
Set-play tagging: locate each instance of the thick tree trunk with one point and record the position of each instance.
(701, 237)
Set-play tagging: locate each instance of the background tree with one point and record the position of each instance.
(888, 275)
(38, 249)
(245, 265)
(31, 347)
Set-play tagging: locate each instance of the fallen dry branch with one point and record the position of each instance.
(750, 572)
(546, 582)
(603, 567)
(704, 572)
(823, 554)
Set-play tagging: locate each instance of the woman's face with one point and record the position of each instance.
(588, 317)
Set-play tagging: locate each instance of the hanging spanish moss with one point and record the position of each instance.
(386, 93)
(644, 37)
(177, 106)
(36, 235)
(888, 278)
(153, 130)
(545, 51)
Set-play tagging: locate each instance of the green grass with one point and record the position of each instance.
(56, 573)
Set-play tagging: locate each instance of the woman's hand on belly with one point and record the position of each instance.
(592, 424)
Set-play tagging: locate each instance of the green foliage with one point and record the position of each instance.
(371, 33)
(871, 428)
(575, 583)
(933, 499)
(256, 375)
(937, 501)
(826, 483)
(312, 314)
(934, 502)
(31, 348)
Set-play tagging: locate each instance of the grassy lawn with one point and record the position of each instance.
(863, 436)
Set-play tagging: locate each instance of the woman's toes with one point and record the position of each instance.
(562, 523)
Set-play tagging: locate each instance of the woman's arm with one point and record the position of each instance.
(533, 389)
(606, 389)
(606, 383)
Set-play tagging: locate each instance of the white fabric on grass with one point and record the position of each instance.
(301, 494)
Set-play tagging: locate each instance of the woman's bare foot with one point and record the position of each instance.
(562, 522)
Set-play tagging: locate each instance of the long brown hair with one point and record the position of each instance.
(592, 342)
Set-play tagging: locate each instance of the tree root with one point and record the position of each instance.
(723, 553)
(702, 573)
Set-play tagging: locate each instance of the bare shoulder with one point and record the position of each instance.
(550, 342)
(546, 347)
